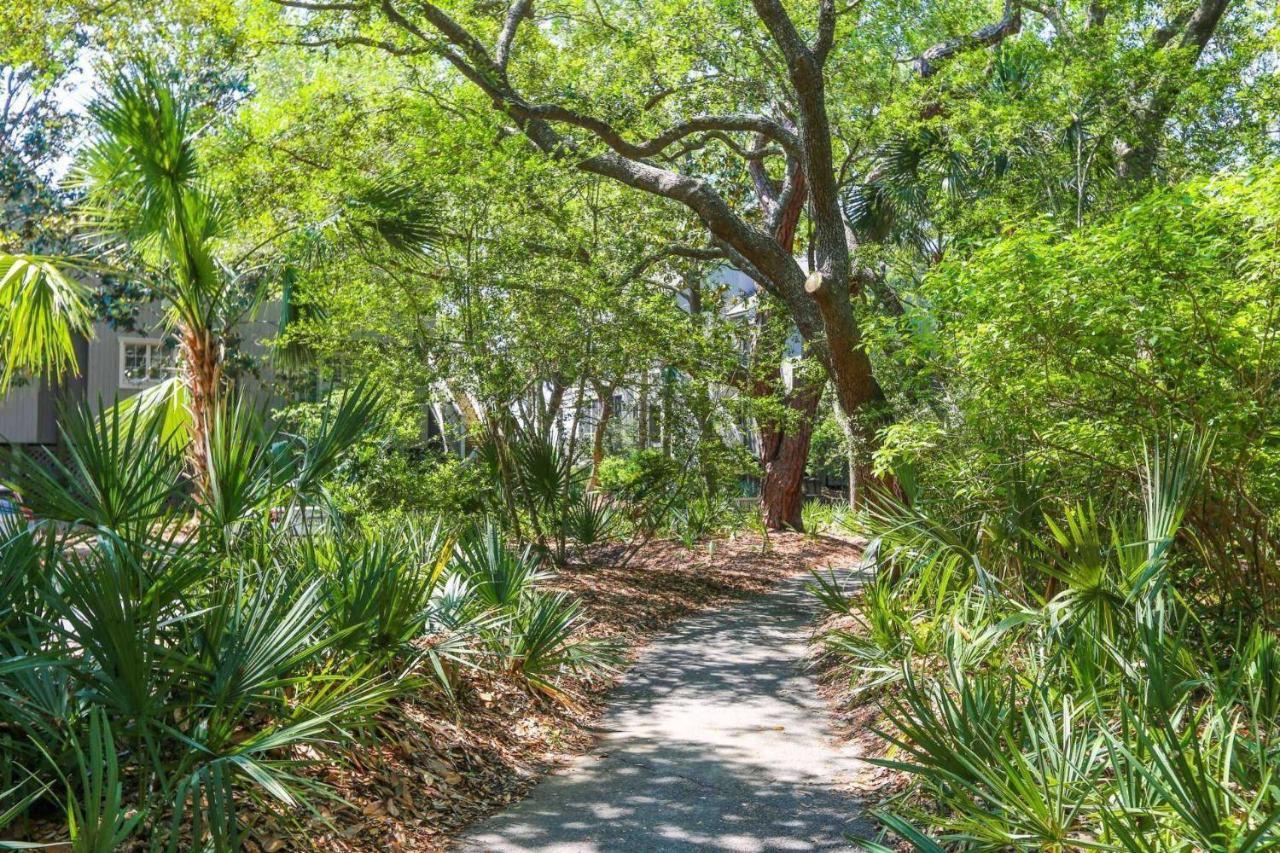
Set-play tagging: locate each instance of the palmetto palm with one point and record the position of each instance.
(145, 197)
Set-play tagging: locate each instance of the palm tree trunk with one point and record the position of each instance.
(202, 374)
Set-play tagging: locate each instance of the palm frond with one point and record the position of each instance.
(42, 310)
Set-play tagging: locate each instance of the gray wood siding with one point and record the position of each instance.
(20, 415)
(28, 415)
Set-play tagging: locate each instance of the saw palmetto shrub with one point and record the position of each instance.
(175, 652)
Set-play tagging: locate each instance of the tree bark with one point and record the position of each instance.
(784, 454)
(642, 412)
(202, 374)
(605, 395)
(1137, 161)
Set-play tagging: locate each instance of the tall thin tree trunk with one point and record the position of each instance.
(784, 451)
(555, 402)
(851, 456)
(642, 412)
(202, 374)
(668, 413)
(605, 393)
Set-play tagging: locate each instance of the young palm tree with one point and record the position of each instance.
(145, 200)
(145, 197)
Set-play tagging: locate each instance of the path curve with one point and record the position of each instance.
(716, 739)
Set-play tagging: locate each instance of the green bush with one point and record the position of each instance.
(391, 471)
(1063, 349)
(1053, 687)
(639, 476)
(168, 653)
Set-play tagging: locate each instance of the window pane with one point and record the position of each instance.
(135, 363)
(162, 362)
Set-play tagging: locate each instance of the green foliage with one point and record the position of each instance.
(701, 516)
(1064, 349)
(818, 516)
(593, 518)
(118, 471)
(543, 642)
(495, 574)
(1054, 687)
(41, 309)
(174, 657)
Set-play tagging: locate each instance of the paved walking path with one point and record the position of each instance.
(716, 740)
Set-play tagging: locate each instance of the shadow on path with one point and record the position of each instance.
(715, 740)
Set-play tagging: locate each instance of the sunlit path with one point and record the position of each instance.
(716, 740)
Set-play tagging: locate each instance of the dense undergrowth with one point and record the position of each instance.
(1071, 629)
(1067, 683)
(173, 658)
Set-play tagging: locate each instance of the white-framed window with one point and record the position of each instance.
(145, 362)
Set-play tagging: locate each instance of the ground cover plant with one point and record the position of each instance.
(176, 657)
(1064, 687)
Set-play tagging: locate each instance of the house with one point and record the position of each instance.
(115, 364)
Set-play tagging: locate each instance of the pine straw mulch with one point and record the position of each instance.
(855, 717)
(432, 770)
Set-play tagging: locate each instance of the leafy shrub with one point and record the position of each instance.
(1064, 694)
(1064, 348)
(816, 516)
(639, 476)
(170, 654)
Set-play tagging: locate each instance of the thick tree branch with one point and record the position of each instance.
(1165, 32)
(350, 41)
(1137, 161)
(778, 23)
(736, 122)
(534, 121)
(739, 262)
(675, 250)
(826, 30)
(832, 332)
(519, 10)
(926, 64)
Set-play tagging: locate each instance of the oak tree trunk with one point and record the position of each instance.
(784, 452)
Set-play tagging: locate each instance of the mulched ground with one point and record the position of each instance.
(430, 769)
(433, 770)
